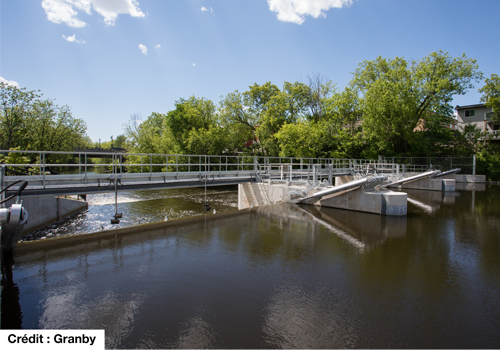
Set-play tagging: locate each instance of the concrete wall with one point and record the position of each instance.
(340, 180)
(43, 211)
(470, 178)
(377, 202)
(431, 184)
(259, 194)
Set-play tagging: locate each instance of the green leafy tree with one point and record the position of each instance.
(53, 128)
(16, 105)
(191, 116)
(491, 95)
(302, 139)
(238, 121)
(37, 125)
(399, 96)
(342, 124)
(320, 91)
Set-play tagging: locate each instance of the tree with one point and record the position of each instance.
(239, 122)
(276, 108)
(399, 95)
(319, 91)
(491, 95)
(302, 139)
(191, 115)
(344, 137)
(16, 107)
(37, 125)
(53, 128)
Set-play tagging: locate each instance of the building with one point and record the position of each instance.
(480, 116)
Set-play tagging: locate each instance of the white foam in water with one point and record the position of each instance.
(109, 198)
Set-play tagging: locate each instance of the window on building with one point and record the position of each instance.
(470, 113)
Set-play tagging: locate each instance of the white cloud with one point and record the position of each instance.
(194, 64)
(203, 9)
(157, 46)
(9, 82)
(73, 39)
(65, 11)
(143, 49)
(295, 10)
(60, 11)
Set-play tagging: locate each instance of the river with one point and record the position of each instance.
(280, 276)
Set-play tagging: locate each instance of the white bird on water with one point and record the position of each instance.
(214, 211)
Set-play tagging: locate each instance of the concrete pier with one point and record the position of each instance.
(430, 184)
(369, 200)
(46, 210)
(471, 178)
(258, 194)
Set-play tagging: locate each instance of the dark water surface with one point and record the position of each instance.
(280, 276)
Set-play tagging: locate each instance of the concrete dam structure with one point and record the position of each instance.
(366, 193)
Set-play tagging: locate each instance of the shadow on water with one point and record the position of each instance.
(280, 276)
(11, 315)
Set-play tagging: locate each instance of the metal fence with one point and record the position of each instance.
(420, 164)
(41, 163)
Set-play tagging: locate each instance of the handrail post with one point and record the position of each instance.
(2, 184)
(85, 168)
(43, 181)
(474, 164)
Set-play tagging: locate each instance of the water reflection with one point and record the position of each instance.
(280, 276)
(364, 230)
(470, 186)
(11, 314)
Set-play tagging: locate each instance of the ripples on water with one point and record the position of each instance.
(279, 276)
(140, 207)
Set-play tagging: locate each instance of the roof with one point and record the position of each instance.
(470, 106)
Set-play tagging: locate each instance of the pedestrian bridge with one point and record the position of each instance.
(77, 173)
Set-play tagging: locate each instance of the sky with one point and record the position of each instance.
(109, 59)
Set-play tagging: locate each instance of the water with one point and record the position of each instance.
(280, 276)
(141, 207)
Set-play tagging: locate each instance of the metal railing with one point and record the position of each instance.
(76, 162)
(419, 164)
(80, 167)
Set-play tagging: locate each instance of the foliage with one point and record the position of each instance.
(32, 124)
(303, 140)
(194, 115)
(491, 95)
(391, 107)
(14, 158)
(488, 162)
(399, 96)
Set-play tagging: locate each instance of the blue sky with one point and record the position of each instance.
(89, 54)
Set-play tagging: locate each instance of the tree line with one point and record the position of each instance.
(391, 107)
